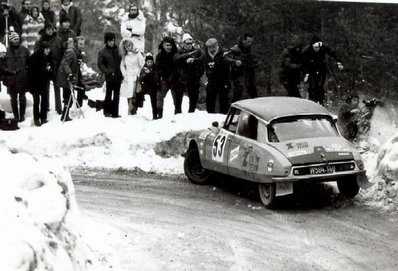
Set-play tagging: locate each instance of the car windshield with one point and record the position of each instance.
(296, 128)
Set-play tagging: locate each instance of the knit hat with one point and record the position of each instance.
(14, 36)
(211, 42)
(148, 57)
(108, 36)
(3, 49)
(186, 36)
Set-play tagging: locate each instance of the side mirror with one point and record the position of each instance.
(215, 124)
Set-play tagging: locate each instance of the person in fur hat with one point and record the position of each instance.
(315, 67)
(109, 64)
(133, 26)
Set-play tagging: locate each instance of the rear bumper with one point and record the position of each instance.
(321, 177)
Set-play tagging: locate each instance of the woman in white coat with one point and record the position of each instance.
(130, 66)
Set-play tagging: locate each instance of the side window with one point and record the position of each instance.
(232, 120)
(247, 126)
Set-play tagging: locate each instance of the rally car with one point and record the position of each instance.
(275, 142)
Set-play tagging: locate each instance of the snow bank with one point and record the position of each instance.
(383, 193)
(39, 227)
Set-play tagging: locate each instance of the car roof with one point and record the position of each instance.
(269, 108)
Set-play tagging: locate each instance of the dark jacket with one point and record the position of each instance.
(245, 55)
(314, 62)
(75, 17)
(16, 61)
(40, 70)
(49, 16)
(165, 67)
(108, 63)
(56, 48)
(189, 71)
(291, 64)
(64, 35)
(69, 65)
(217, 69)
(147, 80)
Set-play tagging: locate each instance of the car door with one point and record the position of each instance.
(241, 147)
(218, 145)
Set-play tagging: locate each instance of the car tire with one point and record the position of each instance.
(267, 192)
(348, 187)
(193, 168)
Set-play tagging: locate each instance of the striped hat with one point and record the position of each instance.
(14, 36)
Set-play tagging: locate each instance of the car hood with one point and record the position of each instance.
(316, 150)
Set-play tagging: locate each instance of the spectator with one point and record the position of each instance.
(65, 33)
(3, 70)
(48, 34)
(166, 75)
(69, 75)
(47, 12)
(73, 13)
(190, 69)
(243, 68)
(315, 67)
(290, 70)
(349, 117)
(12, 17)
(218, 76)
(40, 65)
(25, 9)
(131, 64)
(133, 26)
(109, 64)
(148, 83)
(17, 83)
(33, 23)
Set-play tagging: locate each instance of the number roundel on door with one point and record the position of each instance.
(217, 152)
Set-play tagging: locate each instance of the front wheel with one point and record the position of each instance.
(348, 187)
(193, 168)
(267, 193)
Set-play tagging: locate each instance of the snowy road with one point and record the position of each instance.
(154, 223)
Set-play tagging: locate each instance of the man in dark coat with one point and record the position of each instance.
(218, 76)
(190, 69)
(69, 75)
(315, 67)
(25, 8)
(65, 33)
(290, 70)
(47, 12)
(243, 66)
(40, 71)
(48, 34)
(73, 13)
(17, 83)
(166, 75)
(109, 64)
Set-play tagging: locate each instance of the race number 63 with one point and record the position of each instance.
(218, 148)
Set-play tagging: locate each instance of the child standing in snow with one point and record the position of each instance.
(148, 83)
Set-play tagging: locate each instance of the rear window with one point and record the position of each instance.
(296, 128)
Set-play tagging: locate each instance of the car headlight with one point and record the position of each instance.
(360, 165)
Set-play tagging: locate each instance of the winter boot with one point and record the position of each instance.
(37, 122)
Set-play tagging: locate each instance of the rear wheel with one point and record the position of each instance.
(348, 186)
(193, 168)
(267, 193)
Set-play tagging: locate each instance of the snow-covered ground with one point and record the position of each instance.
(40, 220)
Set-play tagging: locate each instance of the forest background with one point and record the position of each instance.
(363, 34)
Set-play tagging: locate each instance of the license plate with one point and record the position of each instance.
(322, 170)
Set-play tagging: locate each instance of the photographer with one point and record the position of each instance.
(69, 74)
